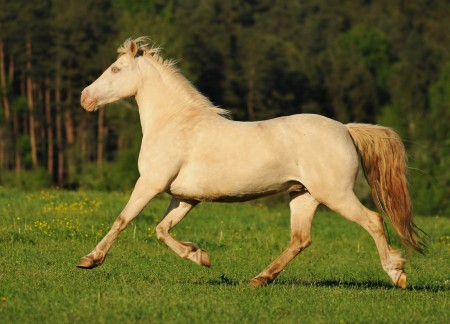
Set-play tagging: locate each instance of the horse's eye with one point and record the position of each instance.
(115, 69)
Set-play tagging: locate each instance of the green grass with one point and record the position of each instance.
(338, 279)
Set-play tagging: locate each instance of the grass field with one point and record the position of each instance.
(337, 280)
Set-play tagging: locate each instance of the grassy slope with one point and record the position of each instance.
(337, 279)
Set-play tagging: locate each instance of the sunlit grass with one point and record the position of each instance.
(338, 279)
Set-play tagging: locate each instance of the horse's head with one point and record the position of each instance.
(120, 80)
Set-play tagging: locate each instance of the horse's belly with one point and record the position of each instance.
(249, 195)
(232, 188)
(222, 196)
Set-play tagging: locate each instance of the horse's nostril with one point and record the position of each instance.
(84, 95)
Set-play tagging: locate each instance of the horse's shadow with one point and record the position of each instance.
(330, 283)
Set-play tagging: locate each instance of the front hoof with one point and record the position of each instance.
(89, 262)
(204, 259)
(401, 281)
(258, 282)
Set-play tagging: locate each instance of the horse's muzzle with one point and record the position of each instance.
(87, 102)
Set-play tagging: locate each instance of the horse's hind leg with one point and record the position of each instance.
(303, 206)
(351, 208)
(187, 250)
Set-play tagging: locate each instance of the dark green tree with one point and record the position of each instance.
(433, 185)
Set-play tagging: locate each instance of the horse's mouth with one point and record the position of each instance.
(89, 104)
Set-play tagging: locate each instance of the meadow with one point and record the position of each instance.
(338, 279)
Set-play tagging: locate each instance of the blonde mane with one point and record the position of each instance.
(146, 48)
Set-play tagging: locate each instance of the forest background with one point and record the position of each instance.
(383, 61)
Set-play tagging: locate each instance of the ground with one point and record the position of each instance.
(337, 279)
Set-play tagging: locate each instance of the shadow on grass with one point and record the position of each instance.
(373, 285)
(335, 283)
(225, 281)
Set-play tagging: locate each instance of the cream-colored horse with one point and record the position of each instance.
(191, 151)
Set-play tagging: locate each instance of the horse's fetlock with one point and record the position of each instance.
(98, 256)
(304, 245)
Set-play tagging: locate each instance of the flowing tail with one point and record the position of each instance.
(384, 163)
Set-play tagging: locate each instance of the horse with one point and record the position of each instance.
(193, 151)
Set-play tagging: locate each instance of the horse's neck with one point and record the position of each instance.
(167, 96)
(151, 112)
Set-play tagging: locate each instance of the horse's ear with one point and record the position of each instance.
(133, 48)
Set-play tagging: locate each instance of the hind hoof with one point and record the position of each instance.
(86, 263)
(401, 281)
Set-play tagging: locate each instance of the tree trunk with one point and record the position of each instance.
(48, 120)
(5, 137)
(31, 104)
(40, 122)
(59, 139)
(11, 68)
(17, 156)
(101, 120)
(81, 139)
(68, 126)
(15, 121)
(68, 120)
(251, 95)
(4, 89)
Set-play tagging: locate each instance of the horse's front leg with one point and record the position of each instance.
(187, 250)
(140, 197)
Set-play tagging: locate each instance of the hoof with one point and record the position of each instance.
(88, 262)
(204, 259)
(401, 281)
(200, 257)
(258, 282)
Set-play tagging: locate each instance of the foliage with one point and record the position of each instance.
(367, 61)
(434, 184)
(337, 279)
(30, 180)
(120, 175)
(373, 48)
(361, 64)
